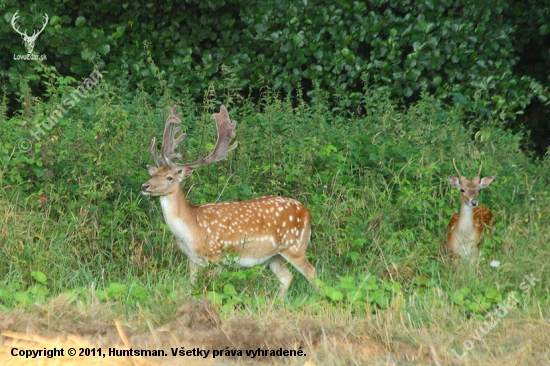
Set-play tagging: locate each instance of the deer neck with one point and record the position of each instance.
(466, 233)
(180, 216)
(466, 219)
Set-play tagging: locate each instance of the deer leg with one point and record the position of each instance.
(192, 271)
(301, 264)
(283, 274)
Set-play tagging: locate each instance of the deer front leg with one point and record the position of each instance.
(192, 271)
(278, 266)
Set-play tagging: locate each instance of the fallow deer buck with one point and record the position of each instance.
(257, 231)
(467, 226)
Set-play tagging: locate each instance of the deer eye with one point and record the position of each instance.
(169, 178)
(462, 190)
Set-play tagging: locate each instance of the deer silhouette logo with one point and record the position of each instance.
(28, 41)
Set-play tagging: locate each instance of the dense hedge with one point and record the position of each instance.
(491, 57)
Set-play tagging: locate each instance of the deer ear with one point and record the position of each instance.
(455, 182)
(485, 181)
(184, 173)
(151, 169)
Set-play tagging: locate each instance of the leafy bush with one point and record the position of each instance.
(458, 50)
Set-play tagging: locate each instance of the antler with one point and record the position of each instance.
(480, 166)
(13, 21)
(460, 175)
(169, 143)
(226, 133)
(454, 164)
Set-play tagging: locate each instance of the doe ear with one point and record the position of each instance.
(184, 173)
(485, 181)
(455, 182)
(151, 169)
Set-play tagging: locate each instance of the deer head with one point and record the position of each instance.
(469, 189)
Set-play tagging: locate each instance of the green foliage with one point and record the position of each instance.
(459, 51)
(357, 293)
(478, 302)
(12, 294)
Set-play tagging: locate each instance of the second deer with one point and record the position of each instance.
(467, 226)
(258, 231)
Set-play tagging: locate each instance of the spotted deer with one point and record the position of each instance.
(257, 231)
(467, 226)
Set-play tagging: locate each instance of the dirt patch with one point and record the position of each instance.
(198, 326)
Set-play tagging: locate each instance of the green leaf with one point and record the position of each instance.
(335, 295)
(355, 295)
(229, 290)
(396, 286)
(80, 20)
(5, 294)
(458, 299)
(115, 290)
(353, 255)
(138, 292)
(318, 283)
(38, 291)
(23, 298)
(382, 301)
(475, 308)
(215, 298)
(371, 286)
(104, 49)
(491, 293)
(87, 54)
(101, 295)
(39, 277)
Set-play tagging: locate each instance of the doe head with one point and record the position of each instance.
(469, 189)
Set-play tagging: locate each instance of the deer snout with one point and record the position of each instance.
(473, 203)
(145, 186)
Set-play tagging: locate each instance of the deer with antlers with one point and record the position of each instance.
(28, 40)
(467, 226)
(258, 231)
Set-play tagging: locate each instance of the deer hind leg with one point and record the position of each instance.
(298, 259)
(278, 266)
(301, 264)
(295, 254)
